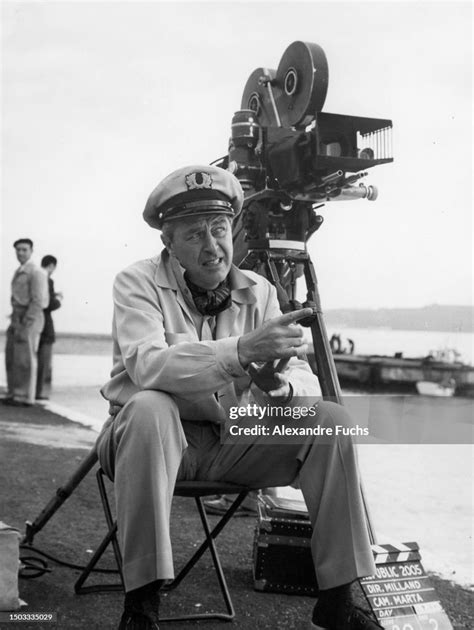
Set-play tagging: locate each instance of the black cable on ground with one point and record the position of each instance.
(32, 567)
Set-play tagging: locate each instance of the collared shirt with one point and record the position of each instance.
(29, 289)
(162, 342)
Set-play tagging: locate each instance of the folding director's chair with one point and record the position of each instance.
(197, 490)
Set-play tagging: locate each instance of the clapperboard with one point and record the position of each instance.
(400, 593)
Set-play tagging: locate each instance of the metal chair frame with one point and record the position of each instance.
(197, 490)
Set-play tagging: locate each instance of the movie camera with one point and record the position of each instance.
(289, 156)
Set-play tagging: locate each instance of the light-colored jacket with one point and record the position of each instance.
(161, 341)
(30, 293)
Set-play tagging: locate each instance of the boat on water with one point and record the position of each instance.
(428, 388)
(440, 373)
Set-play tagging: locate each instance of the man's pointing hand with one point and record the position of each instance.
(278, 338)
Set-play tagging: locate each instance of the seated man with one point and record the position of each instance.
(189, 331)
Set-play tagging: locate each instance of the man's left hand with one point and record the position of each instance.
(271, 378)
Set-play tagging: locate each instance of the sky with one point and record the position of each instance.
(101, 100)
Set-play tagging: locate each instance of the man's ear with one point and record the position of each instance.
(168, 244)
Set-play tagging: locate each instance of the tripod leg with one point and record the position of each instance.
(282, 295)
(326, 367)
(327, 373)
(58, 499)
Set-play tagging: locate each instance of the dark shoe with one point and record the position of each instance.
(222, 504)
(350, 618)
(139, 618)
(42, 397)
(12, 402)
(141, 615)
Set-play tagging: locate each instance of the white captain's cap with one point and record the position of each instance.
(194, 190)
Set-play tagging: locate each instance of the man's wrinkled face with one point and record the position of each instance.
(23, 252)
(203, 246)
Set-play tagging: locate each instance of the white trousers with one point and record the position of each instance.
(147, 447)
(20, 356)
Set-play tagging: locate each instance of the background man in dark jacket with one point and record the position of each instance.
(48, 337)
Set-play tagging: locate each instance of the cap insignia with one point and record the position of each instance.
(198, 180)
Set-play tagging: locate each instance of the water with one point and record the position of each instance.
(412, 343)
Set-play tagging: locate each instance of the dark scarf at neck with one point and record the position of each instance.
(210, 301)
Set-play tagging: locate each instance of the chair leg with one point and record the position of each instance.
(79, 589)
(209, 543)
(110, 537)
(111, 523)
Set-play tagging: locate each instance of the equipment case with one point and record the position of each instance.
(282, 561)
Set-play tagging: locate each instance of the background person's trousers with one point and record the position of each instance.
(20, 358)
(147, 448)
(45, 369)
